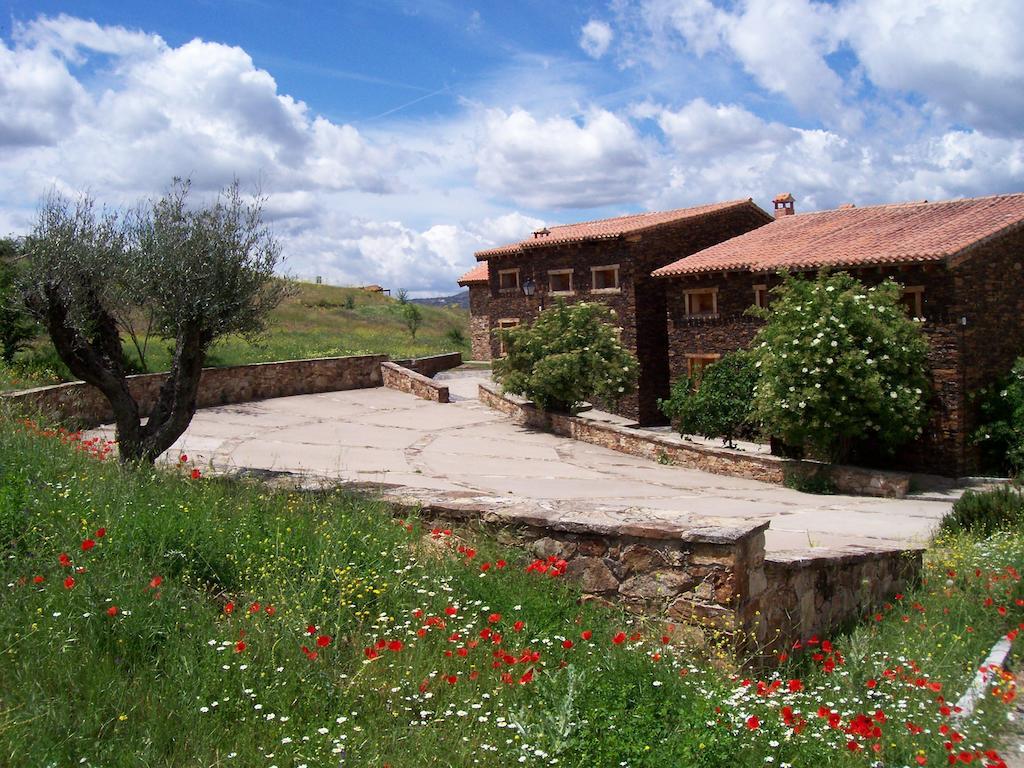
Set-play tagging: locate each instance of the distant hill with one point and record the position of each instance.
(460, 299)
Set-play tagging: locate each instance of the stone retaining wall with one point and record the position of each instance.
(813, 592)
(405, 380)
(433, 365)
(712, 574)
(673, 450)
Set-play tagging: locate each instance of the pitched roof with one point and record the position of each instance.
(477, 274)
(604, 229)
(883, 234)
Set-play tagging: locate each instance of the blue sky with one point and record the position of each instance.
(395, 138)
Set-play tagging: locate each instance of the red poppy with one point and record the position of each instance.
(310, 630)
(101, 532)
(229, 607)
(494, 618)
(586, 634)
(395, 645)
(239, 646)
(451, 610)
(795, 686)
(69, 582)
(501, 563)
(156, 581)
(452, 679)
(38, 579)
(567, 644)
(64, 559)
(312, 655)
(196, 474)
(323, 641)
(527, 676)
(270, 610)
(369, 653)
(753, 723)
(112, 610)
(620, 638)
(183, 458)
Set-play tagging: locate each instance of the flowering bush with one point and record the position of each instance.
(1002, 415)
(719, 403)
(840, 363)
(570, 353)
(985, 512)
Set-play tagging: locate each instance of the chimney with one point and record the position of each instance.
(784, 205)
(544, 232)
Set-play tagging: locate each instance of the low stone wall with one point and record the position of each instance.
(709, 573)
(405, 380)
(673, 450)
(83, 406)
(814, 592)
(433, 365)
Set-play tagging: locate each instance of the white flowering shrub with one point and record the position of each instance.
(840, 363)
(1001, 435)
(570, 354)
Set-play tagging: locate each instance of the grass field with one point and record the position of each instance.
(150, 618)
(318, 321)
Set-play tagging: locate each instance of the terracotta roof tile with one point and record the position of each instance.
(477, 274)
(610, 228)
(882, 234)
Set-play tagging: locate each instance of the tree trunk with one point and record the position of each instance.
(176, 404)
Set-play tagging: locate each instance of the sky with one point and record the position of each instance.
(393, 138)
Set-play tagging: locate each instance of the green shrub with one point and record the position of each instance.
(840, 363)
(984, 512)
(718, 404)
(570, 354)
(1001, 435)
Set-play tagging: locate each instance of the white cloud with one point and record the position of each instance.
(558, 162)
(595, 38)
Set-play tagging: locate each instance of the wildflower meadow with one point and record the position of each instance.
(170, 617)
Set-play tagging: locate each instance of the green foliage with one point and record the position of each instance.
(456, 337)
(412, 317)
(570, 354)
(162, 682)
(1001, 435)
(17, 328)
(982, 513)
(718, 404)
(840, 363)
(815, 482)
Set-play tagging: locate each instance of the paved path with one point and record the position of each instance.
(383, 436)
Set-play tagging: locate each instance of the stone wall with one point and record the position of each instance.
(674, 450)
(405, 380)
(81, 405)
(639, 302)
(714, 576)
(990, 288)
(480, 321)
(814, 592)
(432, 365)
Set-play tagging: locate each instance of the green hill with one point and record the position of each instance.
(317, 321)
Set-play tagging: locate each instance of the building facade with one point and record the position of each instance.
(609, 261)
(962, 267)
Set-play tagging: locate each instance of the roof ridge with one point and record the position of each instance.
(721, 204)
(913, 204)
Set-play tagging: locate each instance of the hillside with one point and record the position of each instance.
(460, 299)
(318, 321)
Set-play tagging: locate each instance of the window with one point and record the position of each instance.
(605, 278)
(560, 281)
(913, 300)
(695, 365)
(761, 296)
(702, 302)
(508, 280)
(504, 323)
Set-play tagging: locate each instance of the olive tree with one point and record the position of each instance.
(197, 274)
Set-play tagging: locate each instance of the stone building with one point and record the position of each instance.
(479, 316)
(961, 263)
(610, 260)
